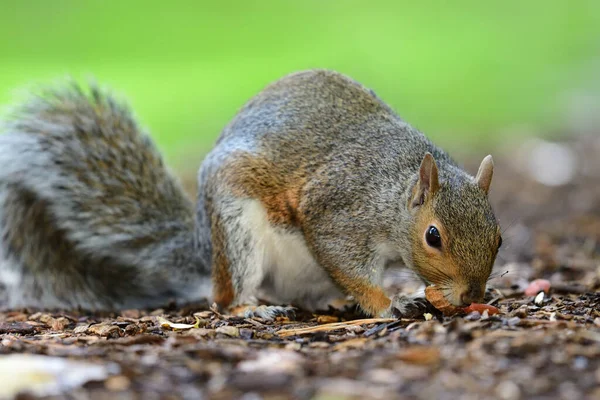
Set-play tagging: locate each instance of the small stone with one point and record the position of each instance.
(508, 390)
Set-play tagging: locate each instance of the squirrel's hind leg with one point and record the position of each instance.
(240, 259)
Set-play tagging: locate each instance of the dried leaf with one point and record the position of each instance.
(164, 323)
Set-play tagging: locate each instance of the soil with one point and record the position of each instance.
(545, 346)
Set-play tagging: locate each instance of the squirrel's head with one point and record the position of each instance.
(456, 236)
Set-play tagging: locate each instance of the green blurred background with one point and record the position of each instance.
(465, 72)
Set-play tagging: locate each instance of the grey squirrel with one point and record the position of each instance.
(310, 192)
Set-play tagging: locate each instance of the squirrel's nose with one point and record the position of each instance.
(472, 295)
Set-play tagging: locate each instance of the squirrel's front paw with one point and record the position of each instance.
(409, 307)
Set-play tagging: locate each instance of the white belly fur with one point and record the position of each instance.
(289, 271)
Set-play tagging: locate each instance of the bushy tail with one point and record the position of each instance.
(89, 214)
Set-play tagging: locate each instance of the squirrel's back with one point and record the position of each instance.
(90, 216)
(310, 118)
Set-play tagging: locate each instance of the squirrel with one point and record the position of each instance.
(312, 190)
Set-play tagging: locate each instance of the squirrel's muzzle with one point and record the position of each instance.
(472, 295)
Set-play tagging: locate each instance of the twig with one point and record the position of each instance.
(331, 327)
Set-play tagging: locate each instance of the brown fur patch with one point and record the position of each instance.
(437, 266)
(278, 190)
(369, 297)
(240, 310)
(221, 275)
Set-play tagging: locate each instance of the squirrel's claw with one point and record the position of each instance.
(268, 313)
(408, 307)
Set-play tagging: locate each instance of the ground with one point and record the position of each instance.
(538, 347)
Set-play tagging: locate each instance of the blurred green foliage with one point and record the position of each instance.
(460, 71)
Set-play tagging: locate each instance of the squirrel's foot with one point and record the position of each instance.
(410, 307)
(268, 313)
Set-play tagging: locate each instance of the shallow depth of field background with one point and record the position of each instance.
(471, 74)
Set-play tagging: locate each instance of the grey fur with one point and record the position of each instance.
(89, 215)
(361, 161)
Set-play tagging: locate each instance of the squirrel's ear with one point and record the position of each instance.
(485, 173)
(428, 182)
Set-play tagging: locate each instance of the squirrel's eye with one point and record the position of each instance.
(500, 242)
(433, 237)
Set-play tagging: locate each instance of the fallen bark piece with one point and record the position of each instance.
(536, 286)
(104, 329)
(22, 328)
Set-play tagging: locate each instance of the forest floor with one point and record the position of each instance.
(538, 347)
